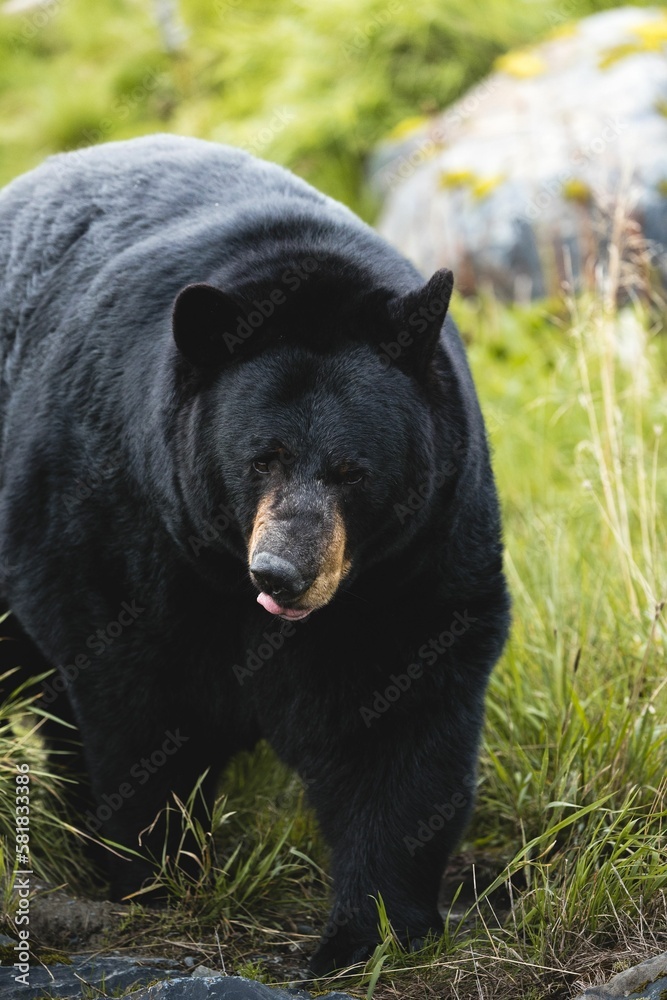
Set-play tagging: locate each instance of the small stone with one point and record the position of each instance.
(189, 961)
(203, 972)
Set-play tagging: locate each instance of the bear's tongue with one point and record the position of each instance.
(292, 614)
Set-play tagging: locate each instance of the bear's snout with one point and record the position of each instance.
(297, 561)
(278, 577)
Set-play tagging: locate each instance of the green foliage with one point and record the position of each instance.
(251, 858)
(311, 85)
(50, 844)
(576, 729)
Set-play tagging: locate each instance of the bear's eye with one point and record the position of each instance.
(350, 476)
(273, 461)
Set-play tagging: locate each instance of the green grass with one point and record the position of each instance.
(22, 764)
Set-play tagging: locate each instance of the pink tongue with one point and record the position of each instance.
(274, 608)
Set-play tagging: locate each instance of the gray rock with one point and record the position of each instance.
(525, 172)
(113, 974)
(225, 988)
(110, 972)
(646, 981)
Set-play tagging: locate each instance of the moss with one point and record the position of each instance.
(8, 956)
(254, 971)
(567, 30)
(651, 37)
(485, 186)
(54, 958)
(577, 190)
(662, 187)
(457, 178)
(135, 988)
(653, 34)
(408, 126)
(479, 187)
(522, 63)
(637, 993)
(617, 52)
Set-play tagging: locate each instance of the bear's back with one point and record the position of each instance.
(134, 220)
(44, 212)
(175, 184)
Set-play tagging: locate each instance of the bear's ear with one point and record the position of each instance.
(204, 324)
(418, 317)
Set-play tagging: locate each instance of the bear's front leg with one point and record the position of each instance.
(392, 808)
(141, 749)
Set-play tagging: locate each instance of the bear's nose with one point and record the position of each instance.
(277, 576)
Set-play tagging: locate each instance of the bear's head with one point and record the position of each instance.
(314, 418)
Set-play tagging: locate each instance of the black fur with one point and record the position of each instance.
(128, 479)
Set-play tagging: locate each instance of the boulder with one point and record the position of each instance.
(82, 976)
(226, 988)
(646, 981)
(527, 179)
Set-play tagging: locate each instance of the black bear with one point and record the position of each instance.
(246, 493)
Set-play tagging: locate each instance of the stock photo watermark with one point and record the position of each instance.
(428, 654)
(140, 773)
(419, 321)
(97, 642)
(366, 32)
(443, 813)
(417, 496)
(292, 278)
(85, 487)
(32, 23)
(23, 871)
(398, 171)
(581, 157)
(122, 109)
(264, 136)
(257, 658)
